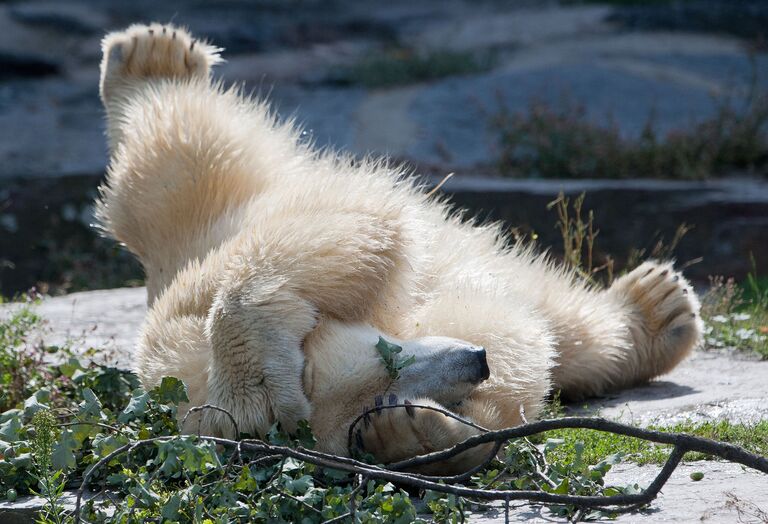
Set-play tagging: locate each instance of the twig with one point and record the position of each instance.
(215, 408)
(445, 412)
(682, 443)
(690, 443)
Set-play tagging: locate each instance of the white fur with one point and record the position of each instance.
(272, 268)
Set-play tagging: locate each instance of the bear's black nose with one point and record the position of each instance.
(481, 371)
(486, 372)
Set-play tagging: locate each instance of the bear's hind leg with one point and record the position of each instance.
(663, 316)
(639, 328)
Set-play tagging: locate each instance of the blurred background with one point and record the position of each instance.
(657, 111)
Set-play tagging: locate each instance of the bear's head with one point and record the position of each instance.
(345, 371)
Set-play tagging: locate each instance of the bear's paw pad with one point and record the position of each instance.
(147, 51)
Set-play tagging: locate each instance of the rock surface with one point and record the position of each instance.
(49, 52)
(707, 386)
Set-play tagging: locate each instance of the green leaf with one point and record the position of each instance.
(277, 437)
(299, 485)
(304, 435)
(36, 403)
(22, 461)
(390, 355)
(171, 508)
(136, 407)
(62, 455)
(553, 443)
(68, 368)
(90, 407)
(104, 444)
(245, 481)
(562, 488)
(170, 391)
(9, 430)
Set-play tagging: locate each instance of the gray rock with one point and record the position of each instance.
(543, 51)
(26, 509)
(107, 320)
(62, 17)
(728, 493)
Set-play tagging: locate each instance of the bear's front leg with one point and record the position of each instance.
(400, 433)
(256, 329)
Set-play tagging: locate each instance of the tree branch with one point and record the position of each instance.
(682, 443)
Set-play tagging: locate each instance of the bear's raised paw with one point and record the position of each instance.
(153, 51)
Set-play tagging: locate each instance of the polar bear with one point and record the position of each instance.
(273, 268)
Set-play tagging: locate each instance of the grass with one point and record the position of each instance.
(402, 66)
(562, 142)
(737, 315)
(598, 445)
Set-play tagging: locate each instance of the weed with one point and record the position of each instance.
(21, 359)
(737, 316)
(562, 142)
(50, 480)
(661, 250)
(579, 237)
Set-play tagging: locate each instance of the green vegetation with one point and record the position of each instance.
(401, 66)
(594, 445)
(66, 416)
(390, 356)
(562, 142)
(737, 316)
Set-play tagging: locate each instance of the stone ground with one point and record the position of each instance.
(708, 386)
(622, 65)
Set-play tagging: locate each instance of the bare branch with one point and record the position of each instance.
(617, 503)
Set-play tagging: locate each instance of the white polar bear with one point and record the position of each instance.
(272, 270)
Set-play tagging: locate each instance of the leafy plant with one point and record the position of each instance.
(390, 355)
(93, 422)
(49, 455)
